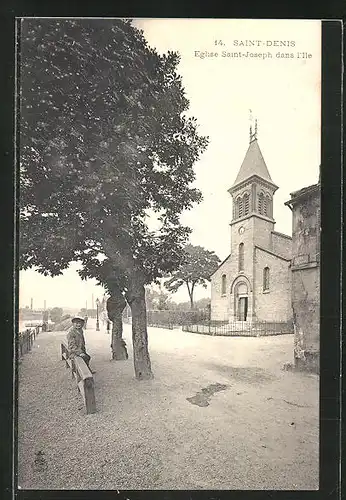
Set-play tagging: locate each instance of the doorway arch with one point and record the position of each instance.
(241, 301)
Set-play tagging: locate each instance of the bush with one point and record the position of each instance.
(178, 318)
(56, 314)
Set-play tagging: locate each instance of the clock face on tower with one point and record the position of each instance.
(241, 230)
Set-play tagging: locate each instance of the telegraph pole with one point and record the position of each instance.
(97, 315)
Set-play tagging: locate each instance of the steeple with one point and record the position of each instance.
(253, 136)
(253, 188)
(253, 163)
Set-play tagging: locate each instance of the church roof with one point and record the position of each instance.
(253, 164)
(303, 193)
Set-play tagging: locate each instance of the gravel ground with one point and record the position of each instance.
(259, 431)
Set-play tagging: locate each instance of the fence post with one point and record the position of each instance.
(89, 393)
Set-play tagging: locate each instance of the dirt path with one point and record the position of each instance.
(219, 414)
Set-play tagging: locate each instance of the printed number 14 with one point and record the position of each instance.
(218, 42)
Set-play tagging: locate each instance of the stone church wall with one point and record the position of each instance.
(281, 245)
(275, 304)
(261, 231)
(220, 303)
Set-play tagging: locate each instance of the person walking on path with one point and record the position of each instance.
(76, 341)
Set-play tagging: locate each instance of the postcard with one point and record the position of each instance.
(169, 246)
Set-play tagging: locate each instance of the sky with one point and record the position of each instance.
(283, 94)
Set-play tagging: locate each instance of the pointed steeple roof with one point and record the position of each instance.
(253, 164)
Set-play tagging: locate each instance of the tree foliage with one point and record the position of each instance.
(196, 269)
(104, 139)
(56, 314)
(157, 299)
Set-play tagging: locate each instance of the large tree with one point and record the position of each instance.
(105, 141)
(196, 269)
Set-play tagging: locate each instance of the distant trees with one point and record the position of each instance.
(196, 269)
(56, 314)
(157, 299)
(91, 313)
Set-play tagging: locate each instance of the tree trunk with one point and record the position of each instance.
(191, 301)
(115, 306)
(136, 300)
(190, 290)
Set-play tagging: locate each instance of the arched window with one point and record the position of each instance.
(241, 257)
(260, 203)
(246, 203)
(223, 284)
(239, 207)
(266, 278)
(269, 206)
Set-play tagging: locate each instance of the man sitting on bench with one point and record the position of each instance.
(76, 341)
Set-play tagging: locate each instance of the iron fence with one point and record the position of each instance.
(26, 340)
(172, 319)
(241, 328)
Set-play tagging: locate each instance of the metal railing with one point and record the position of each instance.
(26, 339)
(172, 319)
(241, 328)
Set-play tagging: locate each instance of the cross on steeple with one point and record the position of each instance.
(253, 135)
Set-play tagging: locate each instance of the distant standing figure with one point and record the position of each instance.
(76, 341)
(85, 321)
(45, 321)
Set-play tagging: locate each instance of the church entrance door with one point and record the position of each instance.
(242, 308)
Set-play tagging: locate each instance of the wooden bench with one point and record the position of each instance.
(83, 376)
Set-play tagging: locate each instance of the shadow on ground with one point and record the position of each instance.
(203, 398)
(245, 374)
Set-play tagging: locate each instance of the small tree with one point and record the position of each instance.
(198, 265)
(56, 314)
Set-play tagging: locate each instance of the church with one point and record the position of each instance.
(253, 283)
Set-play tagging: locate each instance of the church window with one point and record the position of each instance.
(240, 207)
(246, 203)
(260, 203)
(266, 278)
(223, 284)
(269, 206)
(264, 205)
(241, 257)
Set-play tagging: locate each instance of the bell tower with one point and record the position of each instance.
(252, 192)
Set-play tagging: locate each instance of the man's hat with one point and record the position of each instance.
(79, 318)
